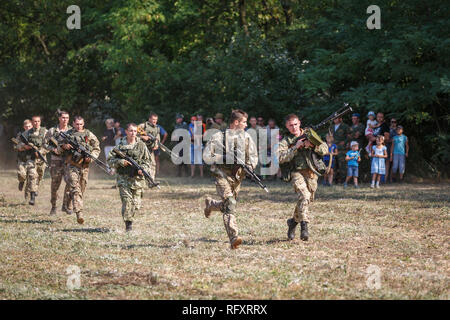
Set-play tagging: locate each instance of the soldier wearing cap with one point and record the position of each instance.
(219, 122)
(357, 129)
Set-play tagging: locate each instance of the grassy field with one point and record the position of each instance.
(399, 233)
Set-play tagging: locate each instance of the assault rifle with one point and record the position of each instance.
(136, 166)
(28, 143)
(85, 153)
(142, 132)
(248, 170)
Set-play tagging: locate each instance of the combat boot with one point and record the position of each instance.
(80, 219)
(236, 242)
(304, 231)
(291, 231)
(21, 186)
(53, 211)
(128, 225)
(32, 198)
(208, 210)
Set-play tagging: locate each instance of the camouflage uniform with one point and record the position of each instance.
(352, 133)
(76, 170)
(228, 177)
(131, 185)
(21, 164)
(341, 135)
(154, 130)
(34, 166)
(303, 178)
(57, 167)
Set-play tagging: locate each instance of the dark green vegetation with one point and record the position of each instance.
(269, 57)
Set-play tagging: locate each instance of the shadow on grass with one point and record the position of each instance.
(268, 242)
(146, 245)
(87, 230)
(27, 221)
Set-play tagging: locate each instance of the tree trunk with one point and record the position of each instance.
(243, 16)
(287, 10)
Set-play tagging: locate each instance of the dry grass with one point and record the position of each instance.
(174, 252)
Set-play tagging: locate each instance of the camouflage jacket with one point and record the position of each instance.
(21, 155)
(50, 146)
(221, 159)
(154, 130)
(352, 133)
(127, 176)
(85, 138)
(340, 135)
(300, 159)
(36, 137)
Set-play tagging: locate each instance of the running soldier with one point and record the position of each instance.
(302, 171)
(227, 173)
(130, 181)
(53, 143)
(34, 167)
(77, 166)
(21, 158)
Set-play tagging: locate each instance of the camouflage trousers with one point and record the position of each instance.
(227, 188)
(131, 201)
(22, 175)
(305, 185)
(34, 174)
(57, 174)
(341, 172)
(76, 178)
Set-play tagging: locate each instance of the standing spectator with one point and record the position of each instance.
(357, 129)
(180, 124)
(120, 132)
(332, 151)
(108, 136)
(340, 133)
(260, 122)
(371, 124)
(392, 134)
(196, 151)
(271, 125)
(383, 130)
(200, 118)
(352, 157)
(399, 153)
(209, 123)
(253, 131)
(379, 154)
(157, 152)
(219, 122)
(393, 128)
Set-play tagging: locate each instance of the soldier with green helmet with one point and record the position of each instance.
(130, 181)
(301, 163)
(340, 132)
(35, 167)
(144, 130)
(219, 122)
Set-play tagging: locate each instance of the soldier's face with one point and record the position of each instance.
(293, 126)
(78, 125)
(241, 124)
(131, 132)
(218, 120)
(64, 119)
(36, 122)
(27, 126)
(153, 120)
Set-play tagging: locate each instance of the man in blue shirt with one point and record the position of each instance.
(399, 153)
(352, 157)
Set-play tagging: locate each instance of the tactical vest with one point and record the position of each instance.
(303, 159)
(37, 140)
(57, 136)
(153, 130)
(81, 138)
(224, 152)
(134, 153)
(21, 155)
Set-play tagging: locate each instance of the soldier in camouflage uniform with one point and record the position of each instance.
(356, 131)
(21, 158)
(130, 181)
(35, 167)
(151, 127)
(57, 162)
(340, 132)
(303, 173)
(229, 175)
(77, 167)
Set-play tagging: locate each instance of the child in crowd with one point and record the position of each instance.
(399, 153)
(379, 155)
(371, 124)
(352, 157)
(332, 150)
